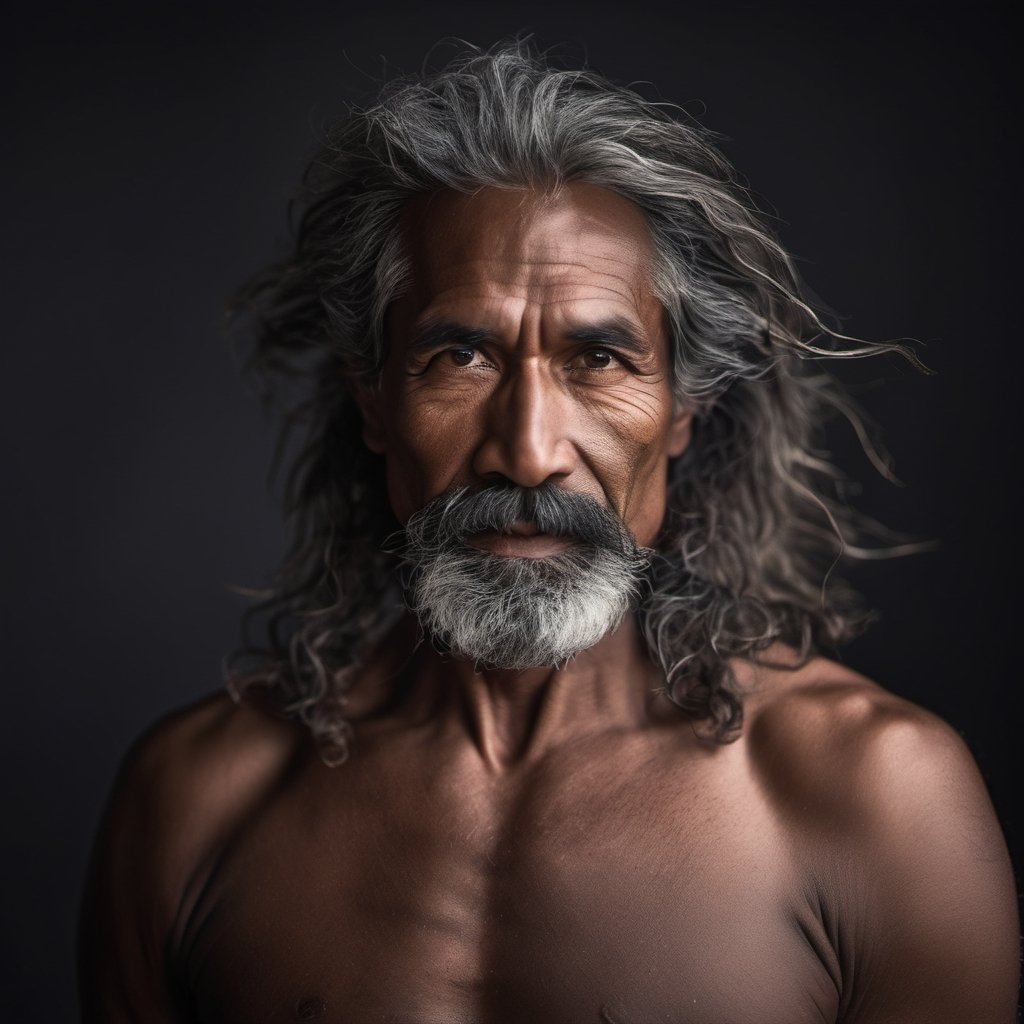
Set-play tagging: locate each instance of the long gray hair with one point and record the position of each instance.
(753, 528)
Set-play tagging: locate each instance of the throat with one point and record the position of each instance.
(513, 717)
(509, 715)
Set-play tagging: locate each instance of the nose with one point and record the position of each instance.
(527, 434)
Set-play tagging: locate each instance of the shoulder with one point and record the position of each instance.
(890, 817)
(190, 777)
(182, 789)
(217, 737)
(830, 741)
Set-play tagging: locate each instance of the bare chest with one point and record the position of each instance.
(608, 900)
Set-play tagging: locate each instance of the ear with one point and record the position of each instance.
(371, 405)
(680, 432)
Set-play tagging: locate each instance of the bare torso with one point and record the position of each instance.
(629, 874)
(633, 878)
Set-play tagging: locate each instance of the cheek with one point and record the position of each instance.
(641, 486)
(629, 453)
(648, 508)
(430, 443)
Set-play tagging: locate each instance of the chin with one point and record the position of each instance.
(520, 612)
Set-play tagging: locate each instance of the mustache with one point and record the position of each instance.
(458, 513)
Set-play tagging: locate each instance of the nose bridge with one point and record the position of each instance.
(528, 427)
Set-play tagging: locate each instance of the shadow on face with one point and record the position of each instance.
(531, 349)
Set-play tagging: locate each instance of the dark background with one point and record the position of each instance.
(153, 154)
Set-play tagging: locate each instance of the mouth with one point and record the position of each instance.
(520, 540)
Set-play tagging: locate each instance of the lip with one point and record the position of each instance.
(523, 540)
(523, 529)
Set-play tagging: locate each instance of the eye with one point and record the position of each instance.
(461, 356)
(598, 359)
(449, 360)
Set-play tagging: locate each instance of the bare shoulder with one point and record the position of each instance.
(837, 743)
(190, 777)
(182, 789)
(217, 745)
(889, 812)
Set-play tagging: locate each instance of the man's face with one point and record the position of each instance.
(530, 349)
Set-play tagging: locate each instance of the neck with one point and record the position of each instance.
(515, 717)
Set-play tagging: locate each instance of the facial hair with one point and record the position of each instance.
(516, 612)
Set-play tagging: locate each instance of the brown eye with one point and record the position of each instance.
(597, 359)
(462, 356)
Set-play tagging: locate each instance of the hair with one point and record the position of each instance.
(754, 525)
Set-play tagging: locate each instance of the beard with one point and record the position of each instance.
(515, 612)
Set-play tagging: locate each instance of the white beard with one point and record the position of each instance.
(518, 613)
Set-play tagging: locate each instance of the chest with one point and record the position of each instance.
(614, 901)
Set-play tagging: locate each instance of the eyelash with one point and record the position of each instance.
(595, 369)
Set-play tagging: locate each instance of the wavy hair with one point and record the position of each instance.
(754, 526)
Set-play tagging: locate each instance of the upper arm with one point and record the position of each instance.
(933, 936)
(182, 791)
(895, 830)
(125, 922)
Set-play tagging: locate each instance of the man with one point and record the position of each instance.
(557, 586)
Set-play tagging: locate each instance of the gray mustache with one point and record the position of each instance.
(459, 513)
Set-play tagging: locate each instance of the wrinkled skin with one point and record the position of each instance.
(548, 845)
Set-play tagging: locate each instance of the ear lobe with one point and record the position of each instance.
(680, 432)
(369, 400)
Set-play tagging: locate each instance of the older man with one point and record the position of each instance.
(554, 599)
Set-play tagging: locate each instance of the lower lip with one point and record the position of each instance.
(512, 545)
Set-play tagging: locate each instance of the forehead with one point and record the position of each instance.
(505, 249)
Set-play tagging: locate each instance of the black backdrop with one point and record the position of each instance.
(154, 150)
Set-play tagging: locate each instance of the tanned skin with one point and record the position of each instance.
(548, 845)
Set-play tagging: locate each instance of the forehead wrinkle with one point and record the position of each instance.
(512, 270)
(623, 302)
(561, 255)
(493, 248)
(611, 256)
(495, 295)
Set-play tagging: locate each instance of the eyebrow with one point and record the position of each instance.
(615, 331)
(445, 332)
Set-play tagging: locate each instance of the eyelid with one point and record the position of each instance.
(619, 358)
(427, 357)
(463, 347)
(610, 348)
